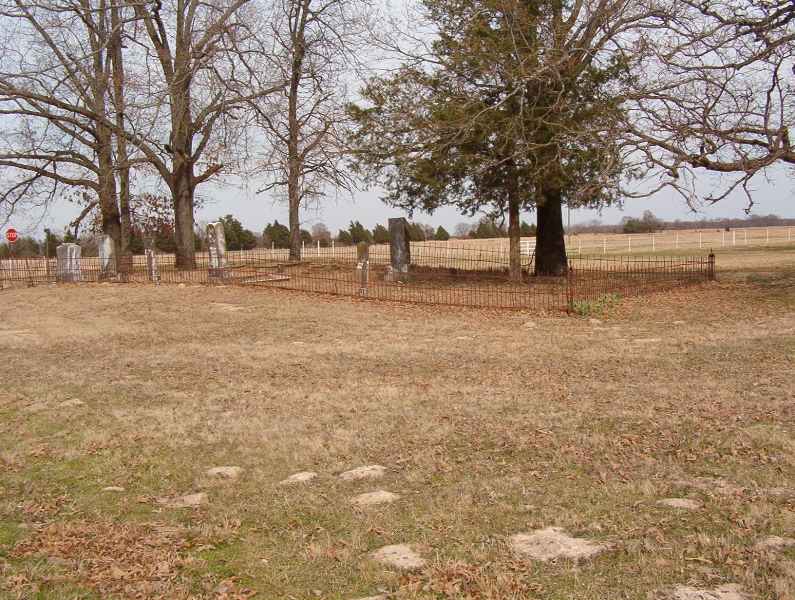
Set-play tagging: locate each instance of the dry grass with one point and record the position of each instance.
(489, 424)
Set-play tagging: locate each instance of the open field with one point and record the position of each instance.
(488, 424)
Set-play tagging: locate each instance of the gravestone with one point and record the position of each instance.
(68, 263)
(216, 240)
(399, 250)
(107, 257)
(151, 262)
(363, 266)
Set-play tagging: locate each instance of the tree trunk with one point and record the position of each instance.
(293, 176)
(185, 259)
(550, 259)
(106, 179)
(294, 167)
(182, 184)
(106, 176)
(295, 228)
(514, 232)
(123, 253)
(111, 221)
(294, 160)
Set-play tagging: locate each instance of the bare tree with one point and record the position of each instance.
(316, 43)
(205, 63)
(715, 95)
(55, 78)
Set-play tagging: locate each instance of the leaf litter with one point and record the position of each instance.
(126, 559)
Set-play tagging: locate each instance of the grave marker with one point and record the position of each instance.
(151, 261)
(363, 266)
(107, 257)
(68, 263)
(216, 240)
(399, 250)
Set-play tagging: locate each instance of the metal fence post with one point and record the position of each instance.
(570, 288)
(711, 266)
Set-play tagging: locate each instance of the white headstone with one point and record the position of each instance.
(363, 266)
(216, 241)
(151, 265)
(68, 263)
(107, 257)
(151, 262)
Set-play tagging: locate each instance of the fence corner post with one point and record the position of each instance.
(570, 288)
(711, 266)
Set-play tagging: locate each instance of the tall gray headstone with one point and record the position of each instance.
(216, 240)
(363, 266)
(399, 249)
(68, 263)
(107, 257)
(151, 261)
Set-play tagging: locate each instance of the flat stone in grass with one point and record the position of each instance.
(399, 556)
(370, 471)
(71, 403)
(774, 542)
(724, 592)
(373, 498)
(190, 501)
(712, 485)
(301, 477)
(551, 543)
(778, 492)
(113, 488)
(224, 472)
(683, 503)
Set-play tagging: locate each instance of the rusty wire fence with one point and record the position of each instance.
(439, 274)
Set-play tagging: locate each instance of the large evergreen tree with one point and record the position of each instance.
(514, 108)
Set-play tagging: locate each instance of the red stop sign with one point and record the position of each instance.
(12, 235)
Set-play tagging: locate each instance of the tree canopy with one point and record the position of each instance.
(513, 106)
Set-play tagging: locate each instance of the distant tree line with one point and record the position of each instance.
(277, 235)
(648, 223)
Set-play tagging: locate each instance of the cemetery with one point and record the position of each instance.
(430, 273)
(600, 416)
